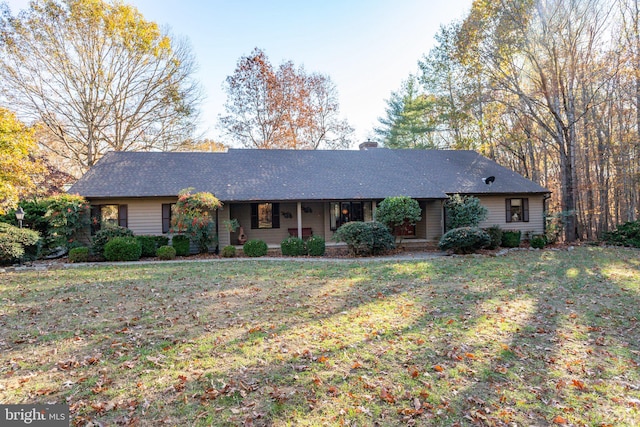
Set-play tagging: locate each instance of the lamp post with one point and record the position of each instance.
(20, 216)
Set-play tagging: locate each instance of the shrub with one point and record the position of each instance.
(181, 244)
(495, 234)
(166, 252)
(627, 234)
(511, 239)
(464, 240)
(67, 215)
(464, 211)
(148, 245)
(18, 243)
(228, 251)
(293, 246)
(316, 246)
(193, 216)
(161, 241)
(255, 248)
(151, 243)
(34, 217)
(59, 220)
(538, 242)
(398, 211)
(80, 254)
(365, 238)
(122, 249)
(104, 235)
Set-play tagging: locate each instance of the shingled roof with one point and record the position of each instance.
(255, 175)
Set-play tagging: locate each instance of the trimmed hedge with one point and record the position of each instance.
(104, 235)
(464, 240)
(150, 244)
(538, 242)
(293, 246)
(80, 254)
(122, 249)
(511, 238)
(316, 246)
(228, 251)
(181, 243)
(365, 238)
(255, 248)
(166, 252)
(495, 234)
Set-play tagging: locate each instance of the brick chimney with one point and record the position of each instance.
(368, 145)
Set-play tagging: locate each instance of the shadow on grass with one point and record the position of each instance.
(467, 340)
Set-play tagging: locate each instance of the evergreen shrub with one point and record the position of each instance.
(79, 254)
(495, 234)
(148, 244)
(511, 238)
(464, 211)
(255, 248)
(122, 249)
(166, 252)
(464, 240)
(316, 246)
(627, 234)
(104, 235)
(181, 243)
(365, 238)
(228, 251)
(293, 246)
(18, 243)
(538, 242)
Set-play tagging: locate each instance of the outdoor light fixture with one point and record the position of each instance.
(20, 216)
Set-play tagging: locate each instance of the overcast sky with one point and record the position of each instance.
(367, 47)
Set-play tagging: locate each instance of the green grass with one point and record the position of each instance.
(531, 338)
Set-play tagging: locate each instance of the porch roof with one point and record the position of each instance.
(260, 175)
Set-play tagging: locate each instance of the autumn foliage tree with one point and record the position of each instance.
(97, 76)
(550, 89)
(193, 215)
(282, 107)
(17, 167)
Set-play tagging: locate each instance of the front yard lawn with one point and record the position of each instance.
(531, 338)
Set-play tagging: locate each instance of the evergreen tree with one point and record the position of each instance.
(410, 119)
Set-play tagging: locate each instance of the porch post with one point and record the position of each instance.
(299, 215)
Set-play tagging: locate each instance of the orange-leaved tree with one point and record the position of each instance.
(193, 215)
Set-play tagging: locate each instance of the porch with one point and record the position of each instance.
(272, 222)
(340, 248)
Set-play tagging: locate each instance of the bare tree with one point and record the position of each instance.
(98, 77)
(539, 54)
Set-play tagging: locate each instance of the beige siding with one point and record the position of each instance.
(432, 217)
(313, 219)
(144, 215)
(497, 216)
(224, 237)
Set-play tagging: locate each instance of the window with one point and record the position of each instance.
(265, 215)
(166, 217)
(343, 212)
(102, 215)
(517, 210)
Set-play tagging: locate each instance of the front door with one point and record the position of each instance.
(343, 212)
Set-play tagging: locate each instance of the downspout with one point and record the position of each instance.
(217, 250)
(547, 196)
(299, 215)
(443, 217)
